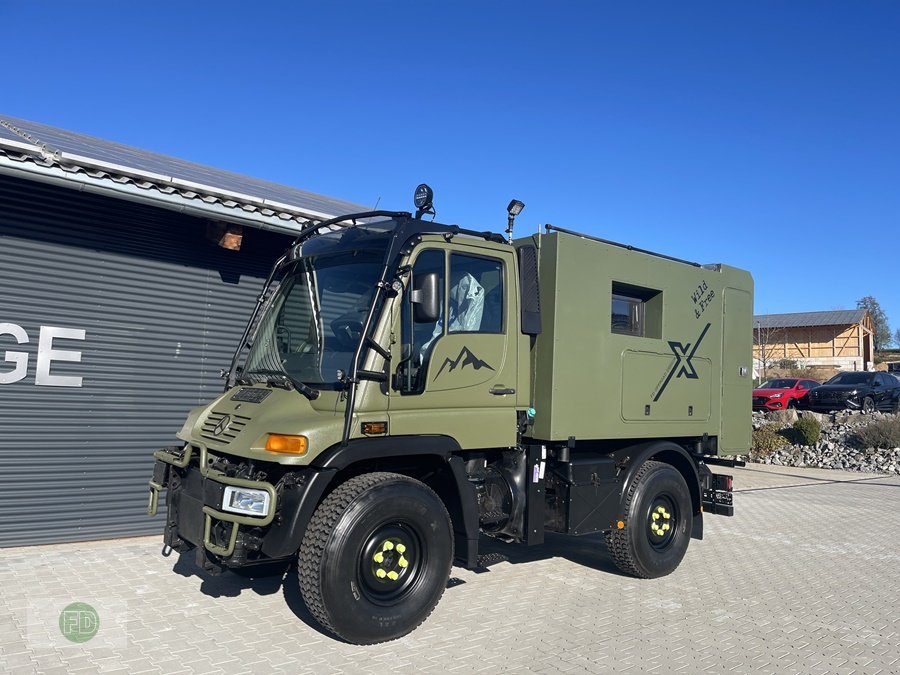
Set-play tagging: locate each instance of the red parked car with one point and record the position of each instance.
(782, 393)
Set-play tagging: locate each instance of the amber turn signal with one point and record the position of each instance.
(293, 445)
(371, 428)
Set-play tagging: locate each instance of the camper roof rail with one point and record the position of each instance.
(553, 228)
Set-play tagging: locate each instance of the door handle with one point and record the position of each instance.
(500, 390)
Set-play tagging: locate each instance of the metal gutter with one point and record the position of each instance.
(54, 174)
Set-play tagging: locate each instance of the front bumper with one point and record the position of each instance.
(763, 403)
(195, 502)
(831, 405)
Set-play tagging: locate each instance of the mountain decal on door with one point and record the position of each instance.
(465, 358)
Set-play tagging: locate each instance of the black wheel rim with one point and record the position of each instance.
(391, 563)
(662, 522)
(868, 405)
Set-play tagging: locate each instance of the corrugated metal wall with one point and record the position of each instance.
(161, 309)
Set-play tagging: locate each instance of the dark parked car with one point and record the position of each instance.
(857, 391)
(782, 392)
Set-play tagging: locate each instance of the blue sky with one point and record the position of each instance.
(761, 134)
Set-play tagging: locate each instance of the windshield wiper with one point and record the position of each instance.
(285, 381)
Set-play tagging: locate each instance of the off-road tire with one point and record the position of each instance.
(337, 576)
(631, 547)
(868, 405)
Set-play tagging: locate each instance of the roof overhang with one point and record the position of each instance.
(36, 163)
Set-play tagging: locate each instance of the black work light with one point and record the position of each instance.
(515, 208)
(423, 199)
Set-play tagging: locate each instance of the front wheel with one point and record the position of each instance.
(868, 405)
(656, 510)
(376, 557)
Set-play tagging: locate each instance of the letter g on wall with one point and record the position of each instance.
(20, 359)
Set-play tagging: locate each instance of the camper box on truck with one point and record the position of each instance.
(638, 345)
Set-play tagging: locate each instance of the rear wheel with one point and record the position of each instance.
(376, 557)
(658, 517)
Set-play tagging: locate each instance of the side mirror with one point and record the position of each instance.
(425, 298)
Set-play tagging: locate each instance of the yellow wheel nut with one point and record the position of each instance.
(378, 557)
(401, 548)
(403, 562)
(665, 527)
(393, 576)
(666, 515)
(655, 516)
(381, 574)
(388, 546)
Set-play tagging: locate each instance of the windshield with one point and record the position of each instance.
(312, 326)
(850, 378)
(778, 384)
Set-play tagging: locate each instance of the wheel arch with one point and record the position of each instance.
(433, 460)
(676, 456)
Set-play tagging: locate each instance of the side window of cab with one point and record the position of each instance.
(472, 302)
(476, 294)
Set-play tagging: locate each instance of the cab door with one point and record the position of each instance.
(455, 374)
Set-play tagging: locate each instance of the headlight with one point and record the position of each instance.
(779, 395)
(245, 500)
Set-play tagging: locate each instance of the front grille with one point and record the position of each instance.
(228, 433)
(831, 396)
(759, 400)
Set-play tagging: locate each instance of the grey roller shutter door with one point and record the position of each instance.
(161, 310)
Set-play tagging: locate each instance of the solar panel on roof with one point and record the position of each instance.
(841, 317)
(98, 149)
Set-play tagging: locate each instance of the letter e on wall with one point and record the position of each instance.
(47, 354)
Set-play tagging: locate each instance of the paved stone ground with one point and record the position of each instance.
(804, 579)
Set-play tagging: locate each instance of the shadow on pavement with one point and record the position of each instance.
(587, 551)
(812, 481)
(230, 584)
(262, 580)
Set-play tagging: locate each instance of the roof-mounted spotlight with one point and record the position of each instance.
(423, 198)
(515, 208)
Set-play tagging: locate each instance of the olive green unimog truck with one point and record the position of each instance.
(405, 387)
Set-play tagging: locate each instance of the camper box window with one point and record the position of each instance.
(627, 315)
(636, 310)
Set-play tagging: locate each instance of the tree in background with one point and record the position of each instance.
(897, 338)
(767, 340)
(879, 320)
